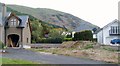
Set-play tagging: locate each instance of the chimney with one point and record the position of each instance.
(0, 8)
(3, 11)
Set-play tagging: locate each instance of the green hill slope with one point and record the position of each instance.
(58, 18)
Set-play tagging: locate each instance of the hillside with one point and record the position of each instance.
(31, 17)
(50, 16)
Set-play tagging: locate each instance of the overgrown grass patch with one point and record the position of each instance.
(110, 49)
(88, 46)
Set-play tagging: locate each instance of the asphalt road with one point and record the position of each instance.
(46, 58)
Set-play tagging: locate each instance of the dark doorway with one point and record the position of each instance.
(13, 40)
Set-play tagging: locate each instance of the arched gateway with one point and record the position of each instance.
(13, 40)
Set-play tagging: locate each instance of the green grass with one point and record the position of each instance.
(15, 61)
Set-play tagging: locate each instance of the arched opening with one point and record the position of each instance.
(13, 40)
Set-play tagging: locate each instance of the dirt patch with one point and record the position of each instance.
(102, 55)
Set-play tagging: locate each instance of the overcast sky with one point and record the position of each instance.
(98, 12)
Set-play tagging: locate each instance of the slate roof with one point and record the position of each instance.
(108, 25)
(1, 20)
(24, 20)
(8, 14)
(98, 30)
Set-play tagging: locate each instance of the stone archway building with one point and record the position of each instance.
(12, 25)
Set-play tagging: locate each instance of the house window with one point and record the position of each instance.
(13, 22)
(113, 30)
(116, 30)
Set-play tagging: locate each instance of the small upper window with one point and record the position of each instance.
(13, 22)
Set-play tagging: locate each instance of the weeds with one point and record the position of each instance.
(88, 46)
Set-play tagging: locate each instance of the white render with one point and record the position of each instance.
(94, 36)
(104, 37)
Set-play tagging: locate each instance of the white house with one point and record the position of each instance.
(109, 32)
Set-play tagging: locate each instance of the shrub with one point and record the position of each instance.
(83, 35)
(51, 40)
(1, 45)
(33, 41)
(69, 36)
(67, 39)
(55, 40)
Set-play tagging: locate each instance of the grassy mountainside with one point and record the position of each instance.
(55, 17)
(32, 18)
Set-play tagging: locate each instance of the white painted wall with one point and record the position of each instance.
(103, 36)
(94, 36)
(100, 37)
(73, 34)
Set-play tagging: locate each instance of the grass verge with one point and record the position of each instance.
(15, 61)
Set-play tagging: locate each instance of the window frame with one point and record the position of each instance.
(13, 22)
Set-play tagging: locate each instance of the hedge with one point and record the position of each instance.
(67, 39)
(83, 35)
(50, 40)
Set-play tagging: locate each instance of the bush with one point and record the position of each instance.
(1, 45)
(33, 41)
(69, 36)
(56, 40)
(83, 35)
(51, 40)
(67, 39)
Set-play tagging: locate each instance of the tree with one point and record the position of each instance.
(55, 33)
(36, 31)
